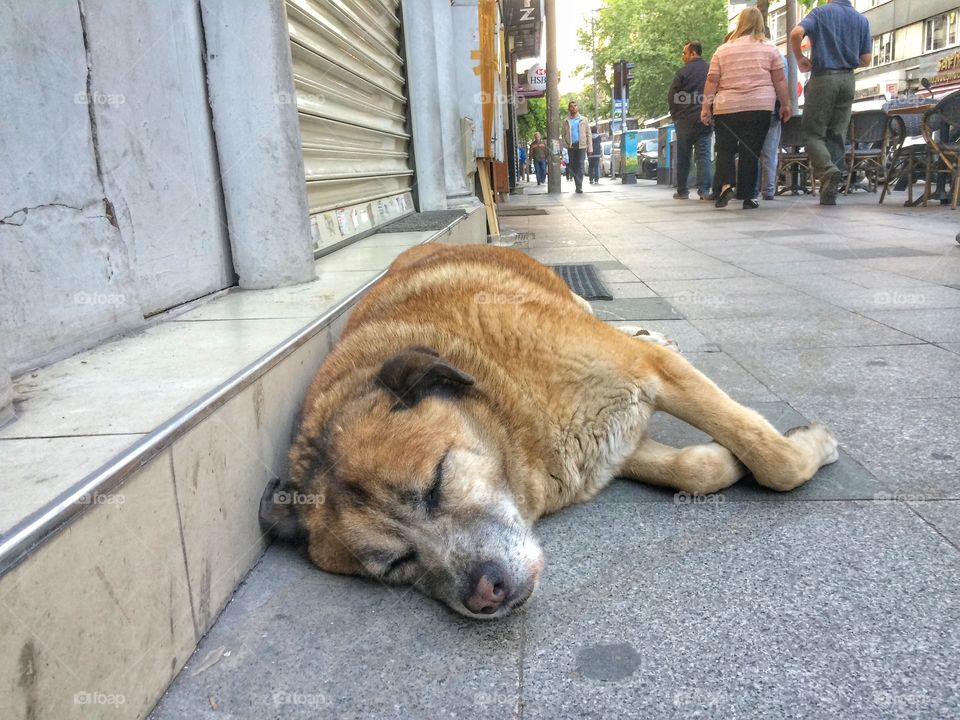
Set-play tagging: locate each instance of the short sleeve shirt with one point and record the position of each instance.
(838, 34)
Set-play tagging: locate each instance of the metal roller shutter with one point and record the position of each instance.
(351, 100)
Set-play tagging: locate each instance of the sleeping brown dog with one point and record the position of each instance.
(470, 394)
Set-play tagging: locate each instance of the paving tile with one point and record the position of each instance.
(845, 479)
(930, 324)
(616, 276)
(686, 335)
(847, 294)
(852, 374)
(635, 309)
(625, 290)
(772, 610)
(296, 642)
(836, 328)
(911, 445)
(944, 516)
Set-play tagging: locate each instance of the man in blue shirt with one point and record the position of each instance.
(839, 42)
(576, 139)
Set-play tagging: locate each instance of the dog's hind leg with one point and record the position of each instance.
(780, 462)
(697, 470)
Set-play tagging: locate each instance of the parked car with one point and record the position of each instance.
(606, 158)
(648, 152)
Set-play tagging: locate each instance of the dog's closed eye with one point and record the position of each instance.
(432, 497)
(401, 562)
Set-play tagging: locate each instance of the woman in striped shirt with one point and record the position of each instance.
(745, 80)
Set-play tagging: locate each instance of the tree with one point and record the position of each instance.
(651, 34)
(534, 121)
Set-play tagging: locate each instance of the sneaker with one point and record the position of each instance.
(768, 196)
(751, 204)
(708, 196)
(829, 189)
(681, 195)
(724, 197)
(579, 190)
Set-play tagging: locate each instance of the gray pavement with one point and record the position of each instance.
(839, 600)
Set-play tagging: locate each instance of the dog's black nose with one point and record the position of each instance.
(489, 589)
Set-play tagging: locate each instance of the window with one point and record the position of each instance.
(884, 49)
(940, 31)
(777, 21)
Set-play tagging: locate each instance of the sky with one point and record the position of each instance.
(571, 15)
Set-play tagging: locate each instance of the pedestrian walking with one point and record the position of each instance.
(840, 41)
(576, 138)
(595, 150)
(685, 99)
(745, 80)
(770, 155)
(538, 156)
(521, 161)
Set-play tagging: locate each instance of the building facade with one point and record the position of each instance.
(152, 159)
(912, 40)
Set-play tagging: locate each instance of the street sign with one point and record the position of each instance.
(618, 105)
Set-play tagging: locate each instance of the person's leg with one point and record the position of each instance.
(704, 171)
(752, 131)
(839, 122)
(541, 171)
(771, 154)
(576, 167)
(685, 139)
(726, 148)
(817, 110)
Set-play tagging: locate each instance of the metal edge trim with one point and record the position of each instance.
(26, 535)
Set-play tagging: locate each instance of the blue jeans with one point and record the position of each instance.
(690, 139)
(767, 180)
(540, 167)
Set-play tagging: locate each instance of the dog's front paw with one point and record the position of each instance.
(821, 440)
(640, 333)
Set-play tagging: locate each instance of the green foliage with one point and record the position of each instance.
(534, 121)
(651, 34)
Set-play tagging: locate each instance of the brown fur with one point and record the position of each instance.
(482, 359)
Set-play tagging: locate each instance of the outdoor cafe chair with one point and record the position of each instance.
(943, 142)
(868, 147)
(908, 152)
(793, 165)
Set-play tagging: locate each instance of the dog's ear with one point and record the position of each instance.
(418, 371)
(278, 517)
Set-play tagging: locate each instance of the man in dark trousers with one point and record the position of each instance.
(684, 100)
(840, 41)
(575, 134)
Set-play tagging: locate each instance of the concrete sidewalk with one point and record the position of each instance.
(839, 600)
